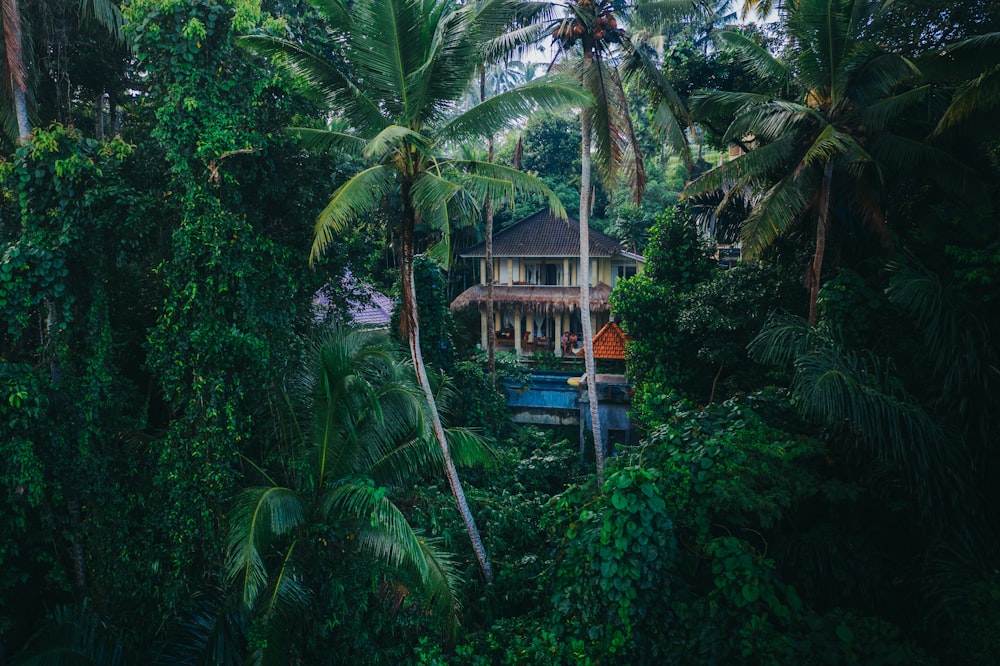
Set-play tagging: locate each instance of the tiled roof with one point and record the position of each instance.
(365, 306)
(543, 235)
(610, 342)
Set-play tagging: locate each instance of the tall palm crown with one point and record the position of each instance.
(594, 47)
(599, 31)
(831, 140)
(401, 70)
(404, 69)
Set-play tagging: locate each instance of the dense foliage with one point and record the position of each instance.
(194, 471)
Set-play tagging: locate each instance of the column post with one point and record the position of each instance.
(484, 326)
(517, 332)
(558, 335)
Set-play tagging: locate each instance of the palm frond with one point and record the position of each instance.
(787, 339)
(761, 8)
(878, 75)
(828, 145)
(383, 531)
(469, 448)
(757, 58)
(516, 42)
(362, 194)
(501, 111)
(210, 630)
(334, 11)
(450, 60)
(431, 194)
(326, 141)
(671, 116)
(956, 340)
(939, 166)
(70, 635)
(390, 139)
(108, 15)
(661, 12)
(757, 164)
(318, 78)
(502, 184)
(854, 394)
(774, 121)
(388, 42)
(441, 585)
(706, 103)
(975, 99)
(363, 405)
(954, 63)
(607, 119)
(774, 214)
(259, 516)
(287, 595)
(877, 115)
(440, 251)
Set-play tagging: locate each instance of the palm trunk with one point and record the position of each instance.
(411, 322)
(14, 57)
(99, 117)
(588, 337)
(822, 224)
(491, 342)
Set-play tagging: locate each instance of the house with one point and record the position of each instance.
(357, 302)
(536, 292)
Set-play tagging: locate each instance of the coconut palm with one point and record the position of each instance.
(822, 154)
(361, 429)
(16, 94)
(592, 44)
(402, 68)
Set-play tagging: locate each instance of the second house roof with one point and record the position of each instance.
(544, 235)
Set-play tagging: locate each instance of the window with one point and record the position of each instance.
(533, 273)
(622, 271)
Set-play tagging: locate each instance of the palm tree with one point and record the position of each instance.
(833, 141)
(16, 91)
(762, 8)
(361, 428)
(405, 66)
(604, 59)
(16, 72)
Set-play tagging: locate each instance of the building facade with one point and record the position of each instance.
(536, 292)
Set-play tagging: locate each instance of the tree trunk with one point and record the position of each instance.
(491, 341)
(588, 336)
(411, 322)
(491, 338)
(99, 117)
(15, 66)
(822, 225)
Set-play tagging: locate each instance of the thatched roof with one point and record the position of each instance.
(543, 235)
(537, 299)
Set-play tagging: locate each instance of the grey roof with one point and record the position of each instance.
(364, 305)
(543, 235)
